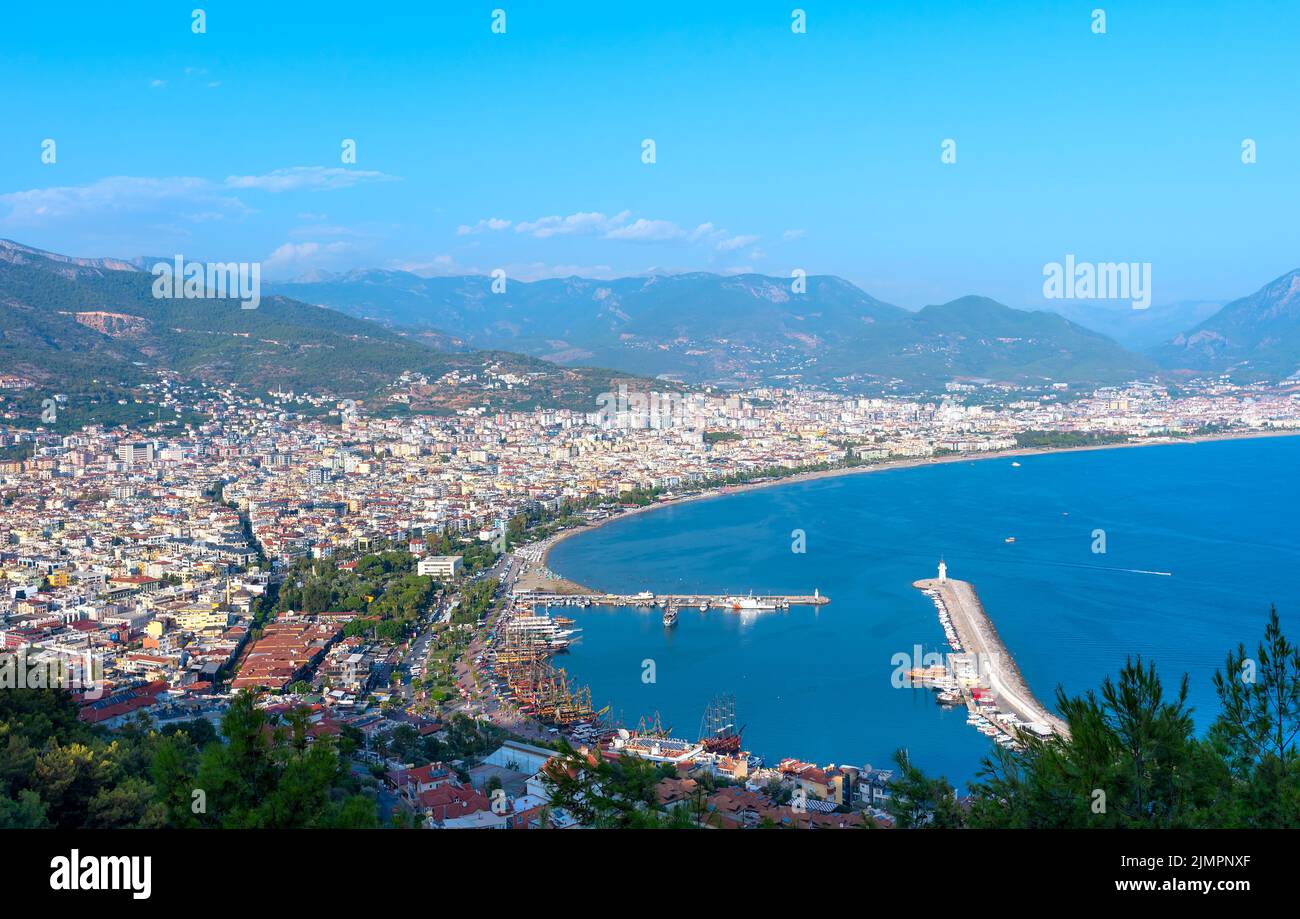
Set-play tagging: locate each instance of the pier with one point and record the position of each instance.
(736, 603)
(994, 665)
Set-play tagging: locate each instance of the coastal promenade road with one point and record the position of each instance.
(978, 636)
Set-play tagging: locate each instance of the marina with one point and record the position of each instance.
(981, 673)
(1066, 617)
(519, 666)
(748, 603)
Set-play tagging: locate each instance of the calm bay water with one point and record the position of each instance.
(1221, 517)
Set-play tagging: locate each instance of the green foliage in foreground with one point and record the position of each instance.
(56, 771)
(463, 739)
(615, 795)
(1133, 759)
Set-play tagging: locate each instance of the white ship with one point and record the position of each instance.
(543, 630)
(748, 604)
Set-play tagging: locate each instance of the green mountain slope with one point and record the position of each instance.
(65, 322)
(1255, 337)
(699, 327)
(743, 329)
(978, 338)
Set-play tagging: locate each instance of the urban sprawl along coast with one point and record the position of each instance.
(387, 570)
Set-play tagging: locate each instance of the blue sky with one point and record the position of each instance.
(775, 151)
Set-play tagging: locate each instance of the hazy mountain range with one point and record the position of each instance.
(1137, 330)
(84, 319)
(709, 328)
(1255, 337)
(82, 323)
(750, 328)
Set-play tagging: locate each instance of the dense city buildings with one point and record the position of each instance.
(150, 560)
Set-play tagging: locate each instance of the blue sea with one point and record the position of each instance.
(1220, 517)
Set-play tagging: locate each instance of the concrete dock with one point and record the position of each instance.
(741, 603)
(996, 666)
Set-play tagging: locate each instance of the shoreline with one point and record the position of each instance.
(906, 463)
(1011, 687)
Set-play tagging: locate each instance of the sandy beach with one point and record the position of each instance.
(909, 463)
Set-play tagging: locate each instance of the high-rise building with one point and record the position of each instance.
(135, 453)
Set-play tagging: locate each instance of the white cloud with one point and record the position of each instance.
(187, 198)
(618, 228)
(731, 244)
(491, 223)
(444, 265)
(789, 235)
(648, 231)
(190, 198)
(309, 178)
(614, 227)
(582, 223)
(299, 256)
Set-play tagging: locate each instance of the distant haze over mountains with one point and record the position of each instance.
(95, 318)
(93, 323)
(1256, 337)
(734, 329)
(1137, 330)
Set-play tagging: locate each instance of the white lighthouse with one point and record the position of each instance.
(943, 571)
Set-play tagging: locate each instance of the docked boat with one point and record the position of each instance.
(748, 604)
(718, 731)
(704, 607)
(670, 616)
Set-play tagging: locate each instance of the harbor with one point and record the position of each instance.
(703, 602)
(876, 613)
(518, 663)
(520, 671)
(981, 673)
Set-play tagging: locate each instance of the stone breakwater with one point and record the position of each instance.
(997, 668)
